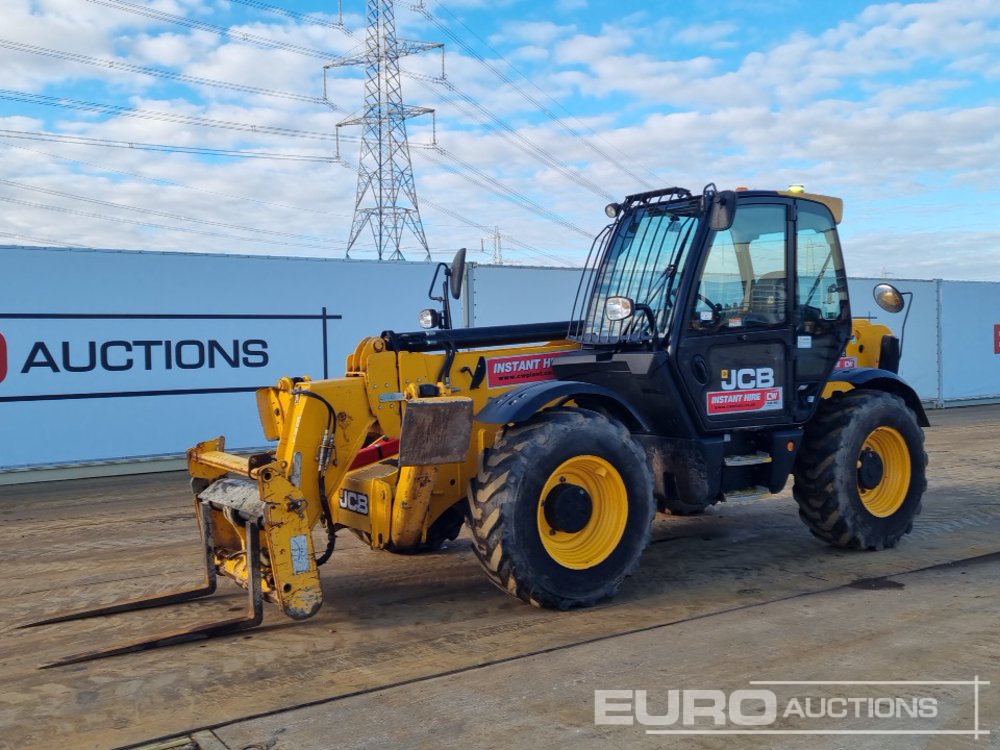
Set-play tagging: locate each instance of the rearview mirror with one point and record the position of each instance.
(888, 297)
(457, 273)
(723, 210)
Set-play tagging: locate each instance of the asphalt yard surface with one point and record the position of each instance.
(422, 652)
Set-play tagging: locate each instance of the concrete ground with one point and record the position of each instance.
(421, 652)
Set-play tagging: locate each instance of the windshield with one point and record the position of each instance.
(641, 260)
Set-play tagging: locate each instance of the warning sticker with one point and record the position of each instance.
(522, 368)
(731, 402)
(846, 363)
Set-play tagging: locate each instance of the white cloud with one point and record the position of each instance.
(585, 49)
(887, 104)
(532, 32)
(710, 33)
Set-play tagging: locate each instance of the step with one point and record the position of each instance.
(749, 459)
(749, 493)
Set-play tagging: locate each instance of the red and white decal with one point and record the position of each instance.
(521, 368)
(846, 363)
(758, 399)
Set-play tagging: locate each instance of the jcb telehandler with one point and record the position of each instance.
(711, 353)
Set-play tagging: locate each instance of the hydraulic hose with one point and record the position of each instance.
(325, 453)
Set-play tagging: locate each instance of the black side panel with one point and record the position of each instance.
(640, 379)
(888, 358)
(784, 447)
(685, 472)
(735, 380)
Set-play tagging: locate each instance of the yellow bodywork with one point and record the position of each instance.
(862, 350)
(391, 503)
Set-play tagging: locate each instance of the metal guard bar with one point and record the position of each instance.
(436, 340)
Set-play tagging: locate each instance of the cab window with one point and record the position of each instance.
(822, 286)
(744, 282)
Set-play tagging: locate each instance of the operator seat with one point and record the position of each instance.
(768, 299)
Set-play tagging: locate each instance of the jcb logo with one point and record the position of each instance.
(356, 502)
(747, 378)
(3, 358)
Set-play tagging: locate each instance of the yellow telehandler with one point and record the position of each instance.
(711, 353)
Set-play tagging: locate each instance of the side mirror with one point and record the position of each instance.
(723, 210)
(457, 274)
(454, 275)
(888, 297)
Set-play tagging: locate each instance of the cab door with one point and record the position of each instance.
(823, 311)
(735, 355)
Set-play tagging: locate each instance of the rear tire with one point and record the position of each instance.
(861, 471)
(562, 509)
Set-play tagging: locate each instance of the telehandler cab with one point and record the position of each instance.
(711, 353)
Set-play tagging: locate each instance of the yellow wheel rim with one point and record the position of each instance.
(884, 497)
(586, 477)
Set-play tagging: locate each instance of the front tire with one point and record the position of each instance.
(562, 509)
(861, 472)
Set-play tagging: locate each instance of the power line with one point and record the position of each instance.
(134, 222)
(154, 212)
(483, 227)
(118, 65)
(135, 145)
(171, 183)
(497, 188)
(306, 17)
(485, 181)
(171, 18)
(541, 107)
(519, 140)
(35, 238)
(240, 36)
(146, 114)
(77, 140)
(533, 150)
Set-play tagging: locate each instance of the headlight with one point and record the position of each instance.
(612, 210)
(619, 308)
(429, 318)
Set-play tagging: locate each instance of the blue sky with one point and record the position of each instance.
(550, 110)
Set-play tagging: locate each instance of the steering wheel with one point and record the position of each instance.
(708, 302)
(713, 306)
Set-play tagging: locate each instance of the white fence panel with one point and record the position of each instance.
(507, 294)
(971, 340)
(110, 355)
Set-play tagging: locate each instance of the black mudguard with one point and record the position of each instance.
(883, 380)
(523, 402)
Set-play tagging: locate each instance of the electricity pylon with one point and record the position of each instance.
(387, 197)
